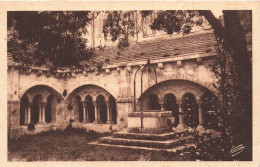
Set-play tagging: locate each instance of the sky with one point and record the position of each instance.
(217, 13)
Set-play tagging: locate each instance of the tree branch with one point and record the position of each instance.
(214, 22)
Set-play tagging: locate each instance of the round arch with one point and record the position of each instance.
(178, 93)
(52, 88)
(71, 89)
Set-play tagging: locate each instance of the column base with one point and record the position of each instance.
(179, 127)
(86, 121)
(110, 122)
(200, 128)
(41, 123)
(98, 121)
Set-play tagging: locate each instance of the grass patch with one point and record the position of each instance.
(71, 145)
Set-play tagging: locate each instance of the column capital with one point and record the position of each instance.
(199, 100)
(179, 102)
(94, 103)
(44, 103)
(84, 103)
(199, 104)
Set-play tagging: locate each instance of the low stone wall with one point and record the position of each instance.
(15, 133)
(153, 121)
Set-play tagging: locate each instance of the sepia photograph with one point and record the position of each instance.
(129, 85)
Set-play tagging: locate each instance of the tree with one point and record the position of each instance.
(54, 38)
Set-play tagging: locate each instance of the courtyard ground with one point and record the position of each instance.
(71, 145)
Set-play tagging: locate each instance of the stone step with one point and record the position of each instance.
(146, 136)
(171, 150)
(167, 144)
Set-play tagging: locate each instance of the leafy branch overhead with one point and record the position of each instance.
(55, 38)
(122, 26)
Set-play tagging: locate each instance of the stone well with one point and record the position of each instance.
(154, 121)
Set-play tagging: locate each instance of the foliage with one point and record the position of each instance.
(208, 147)
(190, 109)
(121, 26)
(209, 107)
(52, 38)
(176, 20)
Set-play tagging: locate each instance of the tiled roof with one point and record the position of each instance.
(161, 48)
(201, 43)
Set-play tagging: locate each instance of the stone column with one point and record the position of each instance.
(26, 115)
(181, 125)
(40, 113)
(161, 104)
(84, 111)
(97, 117)
(43, 112)
(109, 113)
(201, 121)
(87, 115)
(29, 113)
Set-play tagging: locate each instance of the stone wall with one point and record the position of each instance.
(178, 75)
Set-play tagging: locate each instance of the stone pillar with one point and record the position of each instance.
(201, 121)
(87, 115)
(161, 104)
(43, 112)
(26, 115)
(29, 113)
(181, 125)
(40, 113)
(109, 113)
(124, 107)
(97, 117)
(84, 111)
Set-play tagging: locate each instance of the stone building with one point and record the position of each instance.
(180, 81)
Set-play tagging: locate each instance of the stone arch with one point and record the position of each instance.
(52, 87)
(169, 91)
(72, 88)
(196, 93)
(205, 85)
(76, 91)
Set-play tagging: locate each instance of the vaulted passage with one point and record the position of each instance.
(38, 105)
(191, 104)
(93, 104)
